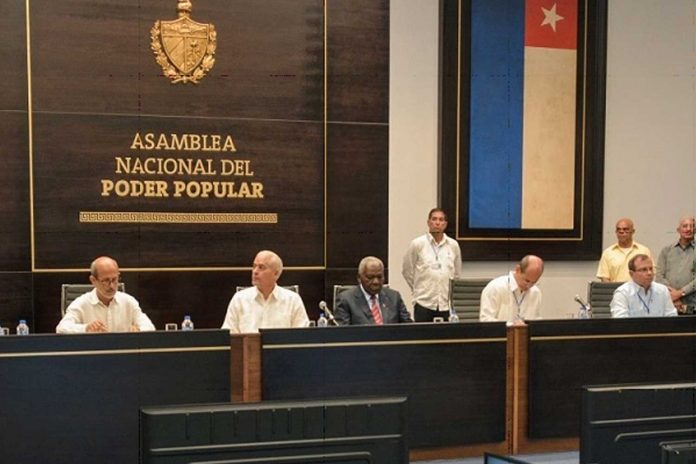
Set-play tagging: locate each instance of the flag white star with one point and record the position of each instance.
(551, 17)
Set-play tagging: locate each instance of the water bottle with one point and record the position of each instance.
(322, 321)
(453, 317)
(187, 323)
(583, 312)
(22, 327)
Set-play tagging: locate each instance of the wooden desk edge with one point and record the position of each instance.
(246, 387)
(474, 450)
(245, 368)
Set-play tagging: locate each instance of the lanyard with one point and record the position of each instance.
(518, 302)
(647, 308)
(436, 251)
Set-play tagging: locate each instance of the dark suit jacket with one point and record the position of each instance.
(352, 308)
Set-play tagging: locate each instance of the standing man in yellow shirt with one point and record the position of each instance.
(613, 265)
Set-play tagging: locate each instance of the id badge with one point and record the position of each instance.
(435, 266)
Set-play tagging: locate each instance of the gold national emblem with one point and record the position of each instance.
(184, 48)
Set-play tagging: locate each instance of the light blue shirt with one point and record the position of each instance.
(632, 300)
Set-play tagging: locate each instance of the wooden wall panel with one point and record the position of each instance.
(69, 168)
(13, 56)
(358, 189)
(358, 63)
(14, 193)
(95, 83)
(269, 60)
(16, 299)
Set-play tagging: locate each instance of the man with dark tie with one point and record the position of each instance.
(369, 302)
(642, 296)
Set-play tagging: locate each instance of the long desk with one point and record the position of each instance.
(471, 386)
(76, 398)
(562, 356)
(453, 374)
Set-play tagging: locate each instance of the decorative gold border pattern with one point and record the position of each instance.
(458, 341)
(112, 352)
(177, 218)
(555, 338)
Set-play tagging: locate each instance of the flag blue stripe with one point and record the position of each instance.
(495, 150)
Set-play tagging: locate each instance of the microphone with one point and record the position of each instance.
(585, 307)
(329, 315)
(581, 302)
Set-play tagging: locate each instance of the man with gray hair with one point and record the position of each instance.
(370, 303)
(676, 267)
(265, 305)
(104, 308)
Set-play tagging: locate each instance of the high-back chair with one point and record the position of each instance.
(465, 297)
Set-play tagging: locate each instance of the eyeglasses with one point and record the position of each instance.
(113, 280)
(645, 269)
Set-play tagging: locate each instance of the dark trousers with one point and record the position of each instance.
(423, 314)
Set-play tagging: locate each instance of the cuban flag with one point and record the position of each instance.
(522, 114)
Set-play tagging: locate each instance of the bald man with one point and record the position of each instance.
(104, 309)
(514, 297)
(265, 305)
(613, 265)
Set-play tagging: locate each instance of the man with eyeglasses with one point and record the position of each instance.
(642, 296)
(613, 265)
(104, 309)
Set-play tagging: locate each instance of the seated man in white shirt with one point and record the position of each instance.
(265, 305)
(642, 296)
(514, 298)
(104, 309)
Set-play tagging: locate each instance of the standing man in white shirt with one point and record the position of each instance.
(642, 296)
(104, 309)
(265, 305)
(514, 298)
(429, 263)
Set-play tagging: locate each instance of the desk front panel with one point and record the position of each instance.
(76, 398)
(452, 374)
(566, 355)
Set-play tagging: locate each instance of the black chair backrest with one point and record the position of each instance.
(465, 297)
(69, 292)
(599, 295)
(294, 288)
